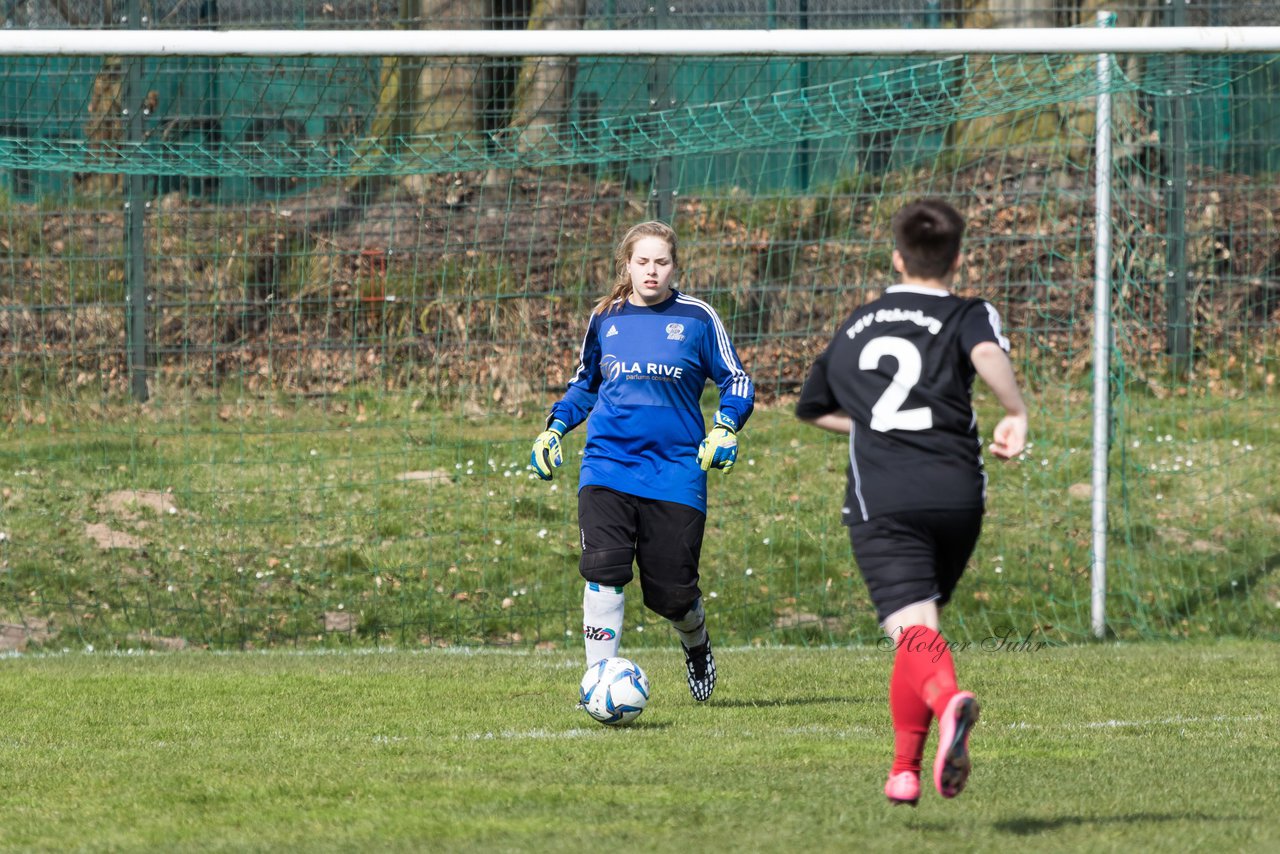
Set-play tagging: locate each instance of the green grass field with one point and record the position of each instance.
(371, 521)
(1148, 747)
(292, 542)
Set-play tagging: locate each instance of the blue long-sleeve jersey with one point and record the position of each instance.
(639, 381)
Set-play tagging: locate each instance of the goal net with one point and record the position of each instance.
(276, 331)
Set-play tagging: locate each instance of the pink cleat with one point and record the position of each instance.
(951, 767)
(903, 788)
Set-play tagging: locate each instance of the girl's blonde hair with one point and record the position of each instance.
(622, 254)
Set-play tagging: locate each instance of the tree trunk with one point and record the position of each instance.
(103, 128)
(544, 86)
(73, 18)
(439, 95)
(544, 91)
(1022, 13)
(1034, 129)
(982, 14)
(436, 94)
(415, 98)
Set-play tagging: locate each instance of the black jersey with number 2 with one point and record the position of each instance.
(899, 367)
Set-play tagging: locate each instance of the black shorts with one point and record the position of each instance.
(913, 557)
(663, 538)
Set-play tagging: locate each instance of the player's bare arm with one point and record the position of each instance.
(836, 422)
(992, 364)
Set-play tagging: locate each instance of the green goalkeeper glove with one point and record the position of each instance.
(546, 456)
(720, 449)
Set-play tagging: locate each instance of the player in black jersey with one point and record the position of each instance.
(898, 377)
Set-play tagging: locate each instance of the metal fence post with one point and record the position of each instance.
(662, 192)
(135, 219)
(1177, 316)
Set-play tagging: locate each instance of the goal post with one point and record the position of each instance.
(348, 281)
(1102, 289)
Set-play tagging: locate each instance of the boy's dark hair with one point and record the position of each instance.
(927, 234)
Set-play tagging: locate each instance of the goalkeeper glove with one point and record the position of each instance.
(720, 449)
(546, 456)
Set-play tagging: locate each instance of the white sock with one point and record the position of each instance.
(692, 627)
(602, 608)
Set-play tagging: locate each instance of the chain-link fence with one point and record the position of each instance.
(633, 14)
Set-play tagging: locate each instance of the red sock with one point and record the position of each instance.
(923, 681)
(911, 717)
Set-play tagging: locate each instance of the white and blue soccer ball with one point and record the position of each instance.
(614, 691)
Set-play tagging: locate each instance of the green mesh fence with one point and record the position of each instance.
(275, 336)
(344, 117)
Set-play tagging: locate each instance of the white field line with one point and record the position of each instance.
(532, 735)
(871, 651)
(593, 732)
(1175, 720)
(574, 658)
(847, 732)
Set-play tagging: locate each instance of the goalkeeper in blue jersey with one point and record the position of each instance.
(642, 494)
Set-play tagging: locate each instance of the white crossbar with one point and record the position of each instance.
(266, 43)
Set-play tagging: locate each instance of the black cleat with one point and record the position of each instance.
(701, 665)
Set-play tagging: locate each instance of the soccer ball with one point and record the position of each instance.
(614, 691)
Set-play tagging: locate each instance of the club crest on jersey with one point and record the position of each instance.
(675, 331)
(613, 330)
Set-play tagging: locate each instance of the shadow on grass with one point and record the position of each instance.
(635, 725)
(646, 725)
(1033, 826)
(1230, 588)
(790, 701)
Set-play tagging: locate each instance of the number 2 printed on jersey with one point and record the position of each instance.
(887, 413)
